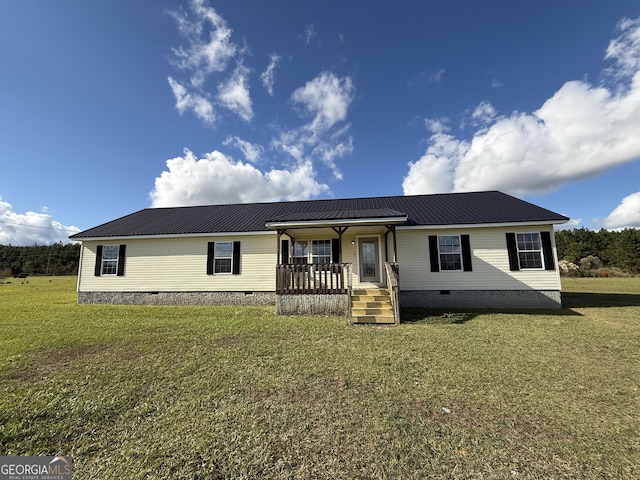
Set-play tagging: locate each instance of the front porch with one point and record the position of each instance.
(323, 257)
(327, 289)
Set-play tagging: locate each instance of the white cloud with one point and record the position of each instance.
(186, 100)
(208, 51)
(216, 178)
(320, 139)
(327, 98)
(268, 76)
(209, 47)
(251, 151)
(433, 172)
(625, 50)
(326, 101)
(483, 114)
(572, 224)
(625, 215)
(234, 94)
(580, 131)
(31, 228)
(437, 125)
(309, 34)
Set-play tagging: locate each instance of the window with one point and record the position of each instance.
(449, 252)
(321, 251)
(222, 257)
(300, 252)
(529, 250)
(109, 260)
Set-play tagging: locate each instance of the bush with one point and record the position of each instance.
(568, 269)
(590, 263)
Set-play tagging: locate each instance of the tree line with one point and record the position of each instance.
(603, 252)
(56, 259)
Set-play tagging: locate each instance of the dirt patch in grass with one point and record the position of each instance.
(51, 363)
(226, 341)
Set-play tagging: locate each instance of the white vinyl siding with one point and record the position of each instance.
(180, 264)
(490, 262)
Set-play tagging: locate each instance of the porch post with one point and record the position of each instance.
(395, 244)
(278, 246)
(392, 229)
(340, 231)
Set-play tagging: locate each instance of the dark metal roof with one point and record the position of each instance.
(347, 214)
(429, 210)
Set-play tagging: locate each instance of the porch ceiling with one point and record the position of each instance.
(335, 218)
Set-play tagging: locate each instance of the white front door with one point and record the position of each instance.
(368, 264)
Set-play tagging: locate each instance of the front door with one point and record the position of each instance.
(369, 266)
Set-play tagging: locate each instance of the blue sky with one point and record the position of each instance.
(110, 107)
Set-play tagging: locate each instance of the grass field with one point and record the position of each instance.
(225, 392)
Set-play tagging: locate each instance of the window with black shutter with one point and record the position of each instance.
(223, 257)
(110, 260)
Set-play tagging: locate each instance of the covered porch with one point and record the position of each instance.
(338, 262)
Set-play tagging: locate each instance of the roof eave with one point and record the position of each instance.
(483, 225)
(170, 235)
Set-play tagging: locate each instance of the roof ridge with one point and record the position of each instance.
(314, 200)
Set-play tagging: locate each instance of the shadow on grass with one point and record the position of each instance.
(436, 317)
(570, 300)
(460, 317)
(583, 299)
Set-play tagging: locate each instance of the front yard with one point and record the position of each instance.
(225, 392)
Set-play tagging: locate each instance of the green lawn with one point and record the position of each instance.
(227, 392)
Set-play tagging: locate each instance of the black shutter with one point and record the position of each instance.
(335, 250)
(98, 268)
(512, 250)
(284, 252)
(433, 253)
(235, 265)
(210, 253)
(466, 253)
(547, 251)
(122, 251)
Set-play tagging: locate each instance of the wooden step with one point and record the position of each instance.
(372, 311)
(370, 298)
(371, 305)
(377, 319)
(370, 291)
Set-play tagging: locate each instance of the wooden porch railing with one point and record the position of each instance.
(391, 269)
(313, 278)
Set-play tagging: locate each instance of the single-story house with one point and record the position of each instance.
(359, 257)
